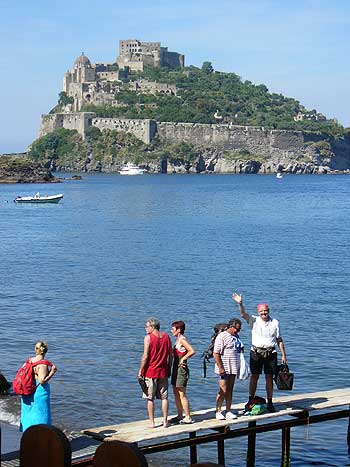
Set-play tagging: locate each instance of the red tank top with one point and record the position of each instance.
(158, 360)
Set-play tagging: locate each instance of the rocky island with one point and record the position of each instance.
(148, 108)
(19, 169)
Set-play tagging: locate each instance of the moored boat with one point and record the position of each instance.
(131, 169)
(37, 198)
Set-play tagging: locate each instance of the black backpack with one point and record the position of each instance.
(4, 385)
(208, 353)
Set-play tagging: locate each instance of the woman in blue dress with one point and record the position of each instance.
(35, 409)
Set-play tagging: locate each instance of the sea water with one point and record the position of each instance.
(85, 275)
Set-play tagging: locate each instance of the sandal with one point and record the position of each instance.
(175, 420)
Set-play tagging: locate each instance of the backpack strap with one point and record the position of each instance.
(41, 362)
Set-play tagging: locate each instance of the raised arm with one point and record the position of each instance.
(239, 300)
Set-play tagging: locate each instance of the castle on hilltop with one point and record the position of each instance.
(135, 54)
(98, 83)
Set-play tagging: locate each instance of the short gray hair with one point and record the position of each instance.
(154, 323)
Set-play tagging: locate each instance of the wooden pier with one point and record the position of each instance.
(292, 411)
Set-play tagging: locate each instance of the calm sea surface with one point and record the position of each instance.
(85, 275)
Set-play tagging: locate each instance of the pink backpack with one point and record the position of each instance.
(24, 382)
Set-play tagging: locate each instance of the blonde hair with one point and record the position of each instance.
(42, 347)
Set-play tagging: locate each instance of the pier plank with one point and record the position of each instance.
(289, 404)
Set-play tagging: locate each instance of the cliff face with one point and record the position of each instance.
(225, 148)
(23, 170)
(221, 148)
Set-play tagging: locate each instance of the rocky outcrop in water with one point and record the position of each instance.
(22, 170)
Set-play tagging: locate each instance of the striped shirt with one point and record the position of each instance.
(229, 348)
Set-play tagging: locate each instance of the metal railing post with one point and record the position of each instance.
(193, 449)
(285, 458)
(349, 434)
(251, 446)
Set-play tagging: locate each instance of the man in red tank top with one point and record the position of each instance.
(155, 367)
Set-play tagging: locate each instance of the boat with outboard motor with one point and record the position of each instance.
(37, 198)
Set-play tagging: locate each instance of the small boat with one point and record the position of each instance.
(131, 169)
(279, 175)
(37, 198)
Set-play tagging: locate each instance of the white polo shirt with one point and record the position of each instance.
(264, 333)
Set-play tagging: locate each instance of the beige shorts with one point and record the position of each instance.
(157, 388)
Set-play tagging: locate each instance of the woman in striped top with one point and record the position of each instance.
(227, 348)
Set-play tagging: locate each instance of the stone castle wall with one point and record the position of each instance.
(78, 121)
(277, 146)
(144, 130)
(258, 141)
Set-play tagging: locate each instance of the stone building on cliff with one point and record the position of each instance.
(136, 54)
(92, 83)
(98, 83)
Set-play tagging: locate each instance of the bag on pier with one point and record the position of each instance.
(283, 378)
(24, 382)
(208, 353)
(255, 406)
(244, 370)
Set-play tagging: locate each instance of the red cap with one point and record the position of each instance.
(263, 306)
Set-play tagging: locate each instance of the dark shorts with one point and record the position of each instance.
(179, 376)
(257, 362)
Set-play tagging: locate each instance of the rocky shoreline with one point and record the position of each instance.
(208, 163)
(20, 169)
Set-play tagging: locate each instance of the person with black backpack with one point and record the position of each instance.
(227, 349)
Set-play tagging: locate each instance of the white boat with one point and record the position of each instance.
(131, 169)
(37, 198)
(279, 175)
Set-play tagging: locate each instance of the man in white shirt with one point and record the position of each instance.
(266, 336)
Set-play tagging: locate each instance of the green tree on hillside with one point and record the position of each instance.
(207, 68)
(64, 99)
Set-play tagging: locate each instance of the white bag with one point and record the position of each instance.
(244, 370)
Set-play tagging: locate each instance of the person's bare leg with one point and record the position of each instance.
(178, 402)
(229, 391)
(150, 408)
(221, 395)
(269, 386)
(185, 404)
(253, 384)
(165, 407)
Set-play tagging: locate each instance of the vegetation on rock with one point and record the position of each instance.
(203, 91)
(23, 170)
(66, 148)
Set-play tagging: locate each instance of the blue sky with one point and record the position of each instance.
(299, 48)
